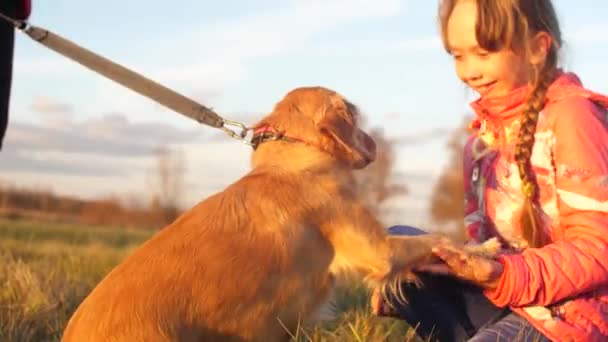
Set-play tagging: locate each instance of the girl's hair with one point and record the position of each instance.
(509, 24)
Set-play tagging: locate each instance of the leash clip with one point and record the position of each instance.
(240, 134)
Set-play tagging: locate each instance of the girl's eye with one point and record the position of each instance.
(457, 57)
(483, 54)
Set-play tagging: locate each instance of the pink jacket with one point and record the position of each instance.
(561, 288)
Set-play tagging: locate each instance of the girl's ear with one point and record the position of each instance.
(540, 46)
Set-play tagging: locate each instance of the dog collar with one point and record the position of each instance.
(268, 133)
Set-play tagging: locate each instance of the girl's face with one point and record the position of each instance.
(489, 73)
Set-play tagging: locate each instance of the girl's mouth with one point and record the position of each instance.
(485, 89)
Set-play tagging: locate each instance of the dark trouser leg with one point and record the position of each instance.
(444, 308)
(511, 328)
(7, 41)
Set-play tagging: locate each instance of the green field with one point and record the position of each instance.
(47, 269)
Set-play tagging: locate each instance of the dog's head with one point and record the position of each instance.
(322, 118)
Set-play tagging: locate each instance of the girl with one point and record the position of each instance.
(536, 176)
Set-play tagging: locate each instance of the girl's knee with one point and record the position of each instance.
(405, 230)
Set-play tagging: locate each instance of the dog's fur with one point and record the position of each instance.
(251, 262)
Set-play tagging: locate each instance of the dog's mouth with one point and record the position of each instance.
(368, 152)
(362, 162)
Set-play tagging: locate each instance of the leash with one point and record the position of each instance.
(132, 80)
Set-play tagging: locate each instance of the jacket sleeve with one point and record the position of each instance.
(577, 260)
(472, 216)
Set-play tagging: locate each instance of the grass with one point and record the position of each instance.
(46, 270)
(354, 322)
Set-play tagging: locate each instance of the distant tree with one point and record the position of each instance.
(106, 211)
(171, 168)
(5, 192)
(447, 199)
(374, 183)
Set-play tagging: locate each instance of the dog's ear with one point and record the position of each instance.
(337, 123)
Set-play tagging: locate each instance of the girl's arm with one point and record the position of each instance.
(577, 261)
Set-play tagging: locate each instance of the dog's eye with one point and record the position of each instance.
(353, 111)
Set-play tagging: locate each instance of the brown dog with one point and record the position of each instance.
(253, 261)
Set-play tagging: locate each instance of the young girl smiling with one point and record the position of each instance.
(536, 176)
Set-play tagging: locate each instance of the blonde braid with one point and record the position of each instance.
(530, 222)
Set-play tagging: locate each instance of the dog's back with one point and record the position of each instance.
(247, 260)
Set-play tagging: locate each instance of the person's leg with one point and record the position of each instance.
(510, 328)
(443, 308)
(7, 42)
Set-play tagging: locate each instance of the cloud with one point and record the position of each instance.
(58, 163)
(113, 150)
(203, 82)
(207, 59)
(210, 167)
(271, 32)
(204, 60)
(52, 114)
(111, 134)
(111, 154)
(45, 105)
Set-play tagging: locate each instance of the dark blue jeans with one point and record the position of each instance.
(446, 309)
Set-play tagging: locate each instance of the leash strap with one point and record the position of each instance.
(130, 79)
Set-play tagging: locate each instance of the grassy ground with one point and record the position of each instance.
(47, 269)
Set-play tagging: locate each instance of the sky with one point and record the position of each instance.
(74, 132)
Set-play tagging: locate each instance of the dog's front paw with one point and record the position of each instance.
(489, 248)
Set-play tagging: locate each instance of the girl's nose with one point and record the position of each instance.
(470, 73)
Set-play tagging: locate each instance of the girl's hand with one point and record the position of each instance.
(474, 268)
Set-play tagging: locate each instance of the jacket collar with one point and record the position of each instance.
(498, 109)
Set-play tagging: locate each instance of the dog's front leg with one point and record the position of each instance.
(361, 244)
